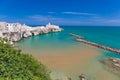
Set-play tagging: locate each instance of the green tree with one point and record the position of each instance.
(15, 65)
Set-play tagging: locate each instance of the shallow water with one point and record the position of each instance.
(60, 52)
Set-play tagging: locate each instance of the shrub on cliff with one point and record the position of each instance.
(14, 65)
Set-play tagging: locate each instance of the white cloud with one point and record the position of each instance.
(93, 19)
(38, 17)
(51, 12)
(114, 21)
(3, 16)
(77, 13)
(43, 17)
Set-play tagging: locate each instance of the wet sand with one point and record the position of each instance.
(64, 59)
(76, 61)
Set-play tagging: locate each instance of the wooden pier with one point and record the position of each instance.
(115, 50)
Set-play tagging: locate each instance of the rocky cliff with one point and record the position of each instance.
(16, 31)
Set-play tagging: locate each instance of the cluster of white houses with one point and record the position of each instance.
(17, 31)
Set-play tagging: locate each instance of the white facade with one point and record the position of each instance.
(16, 31)
(1, 35)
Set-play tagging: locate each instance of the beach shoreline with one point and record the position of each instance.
(61, 53)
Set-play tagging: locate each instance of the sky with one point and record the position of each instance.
(61, 12)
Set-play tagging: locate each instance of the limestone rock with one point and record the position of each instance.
(83, 77)
(53, 28)
(17, 31)
(15, 36)
(27, 34)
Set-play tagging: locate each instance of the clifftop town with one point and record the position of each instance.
(16, 31)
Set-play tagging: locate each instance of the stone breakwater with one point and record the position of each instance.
(75, 35)
(113, 63)
(99, 46)
(79, 39)
(16, 31)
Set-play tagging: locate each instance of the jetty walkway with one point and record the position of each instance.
(115, 50)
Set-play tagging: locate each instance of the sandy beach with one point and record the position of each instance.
(67, 58)
(76, 61)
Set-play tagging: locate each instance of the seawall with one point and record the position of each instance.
(75, 35)
(100, 46)
(115, 50)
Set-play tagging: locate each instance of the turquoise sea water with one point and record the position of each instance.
(62, 42)
(108, 36)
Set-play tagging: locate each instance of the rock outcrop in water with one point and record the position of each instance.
(112, 62)
(16, 31)
(83, 77)
(59, 76)
(112, 65)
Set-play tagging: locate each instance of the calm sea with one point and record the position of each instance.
(61, 43)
